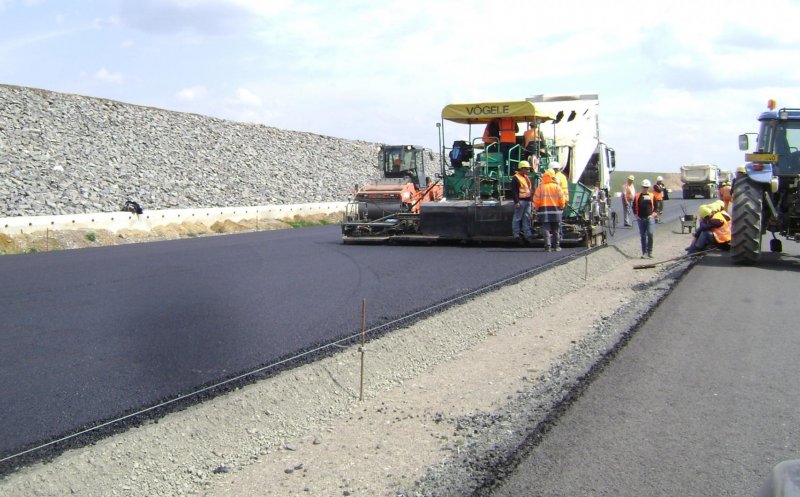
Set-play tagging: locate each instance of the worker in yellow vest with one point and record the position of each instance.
(561, 179)
(714, 230)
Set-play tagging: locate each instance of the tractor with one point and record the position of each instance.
(766, 198)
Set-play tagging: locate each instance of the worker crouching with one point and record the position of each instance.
(549, 202)
(714, 230)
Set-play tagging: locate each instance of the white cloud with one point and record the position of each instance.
(192, 93)
(245, 97)
(105, 75)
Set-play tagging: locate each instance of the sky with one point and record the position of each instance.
(677, 80)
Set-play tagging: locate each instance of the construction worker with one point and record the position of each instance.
(628, 193)
(645, 212)
(522, 192)
(508, 138)
(714, 230)
(549, 202)
(726, 194)
(561, 179)
(658, 197)
(530, 140)
(492, 131)
(719, 206)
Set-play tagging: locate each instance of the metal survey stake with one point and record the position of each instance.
(361, 349)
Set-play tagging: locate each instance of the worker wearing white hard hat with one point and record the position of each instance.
(659, 192)
(628, 194)
(561, 179)
(645, 212)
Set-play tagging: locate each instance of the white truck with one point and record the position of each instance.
(700, 179)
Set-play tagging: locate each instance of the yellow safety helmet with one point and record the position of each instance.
(741, 169)
(631, 177)
(523, 164)
(704, 211)
(717, 205)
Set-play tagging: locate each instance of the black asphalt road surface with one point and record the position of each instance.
(92, 334)
(702, 401)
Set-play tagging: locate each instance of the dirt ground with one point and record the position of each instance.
(434, 394)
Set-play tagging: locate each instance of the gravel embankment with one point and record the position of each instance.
(70, 154)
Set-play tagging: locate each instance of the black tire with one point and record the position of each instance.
(748, 199)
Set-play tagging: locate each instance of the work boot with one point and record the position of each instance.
(649, 255)
(547, 248)
(558, 248)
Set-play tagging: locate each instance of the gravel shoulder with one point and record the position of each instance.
(448, 400)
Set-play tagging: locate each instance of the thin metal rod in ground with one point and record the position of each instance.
(362, 349)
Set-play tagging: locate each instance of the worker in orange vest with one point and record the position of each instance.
(549, 202)
(714, 230)
(628, 193)
(658, 197)
(726, 194)
(530, 140)
(508, 138)
(522, 193)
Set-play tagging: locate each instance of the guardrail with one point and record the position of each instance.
(149, 219)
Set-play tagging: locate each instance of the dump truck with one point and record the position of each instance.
(766, 198)
(700, 179)
(476, 180)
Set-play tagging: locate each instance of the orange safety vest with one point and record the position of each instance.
(636, 202)
(508, 130)
(721, 234)
(627, 194)
(524, 185)
(658, 194)
(548, 194)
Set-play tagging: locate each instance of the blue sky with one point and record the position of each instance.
(678, 80)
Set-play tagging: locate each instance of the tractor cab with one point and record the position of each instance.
(403, 161)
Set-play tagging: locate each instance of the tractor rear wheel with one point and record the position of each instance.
(748, 199)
